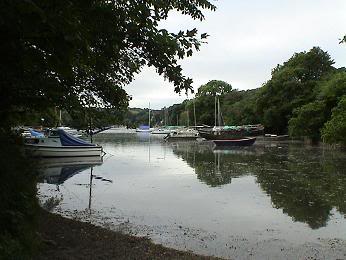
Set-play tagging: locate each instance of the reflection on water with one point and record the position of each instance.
(58, 170)
(270, 199)
(307, 183)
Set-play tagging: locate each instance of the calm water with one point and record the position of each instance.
(272, 200)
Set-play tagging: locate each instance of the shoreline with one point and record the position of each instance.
(64, 238)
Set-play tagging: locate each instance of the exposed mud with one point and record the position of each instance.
(70, 239)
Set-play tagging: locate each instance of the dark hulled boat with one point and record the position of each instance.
(233, 132)
(236, 142)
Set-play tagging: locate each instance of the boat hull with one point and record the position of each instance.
(228, 134)
(235, 142)
(143, 130)
(162, 132)
(276, 138)
(181, 138)
(63, 151)
(221, 135)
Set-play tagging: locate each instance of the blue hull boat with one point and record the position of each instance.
(235, 142)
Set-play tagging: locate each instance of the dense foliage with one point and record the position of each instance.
(292, 85)
(73, 53)
(75, 56)
(298, 99)
(334, 130)
(18, 207)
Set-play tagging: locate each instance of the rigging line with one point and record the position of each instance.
(106, 153)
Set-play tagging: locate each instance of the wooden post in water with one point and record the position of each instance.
(90, 129)
(90, 184)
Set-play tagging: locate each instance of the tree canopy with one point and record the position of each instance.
(214, 88)
(304, 97)
(292, 85)
(334, 130)
(71, 53)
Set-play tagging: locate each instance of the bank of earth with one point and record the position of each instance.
(70, 239)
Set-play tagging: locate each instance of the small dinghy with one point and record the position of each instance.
(235, 142)
(58, 143)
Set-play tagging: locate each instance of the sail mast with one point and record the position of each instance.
(194, 112)
(149, 115)
(219, 111)
(215, 123)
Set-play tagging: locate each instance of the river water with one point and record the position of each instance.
(272, 200)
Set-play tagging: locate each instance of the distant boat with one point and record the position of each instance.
(59, 143)
(144, 129)
(71, 131)
(162, 131)
(272, 137)
(235, 142)
(231, 132)
(221, 132)
(183, 135)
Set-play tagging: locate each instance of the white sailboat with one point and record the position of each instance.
(58, 143)
(145, 128)
(184, 134)
(163, 130)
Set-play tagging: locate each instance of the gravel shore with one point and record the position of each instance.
(69, 239)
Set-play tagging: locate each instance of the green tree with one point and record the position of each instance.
(74, 54)
(334, 130)
(332, 89)
(214, 88)
(308, 120)
(239, 107)
(205, 100)
(343, 40)
(291, 86)
(70, 53)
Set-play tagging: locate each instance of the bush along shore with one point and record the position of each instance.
(19, 206)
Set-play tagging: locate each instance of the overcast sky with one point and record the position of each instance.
(247, 39)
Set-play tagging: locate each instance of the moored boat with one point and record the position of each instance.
(71, 131)
(236, 142)
(231, 132)
(161, 131)
(58, 143)
(144, 129)
(273, 137)
(182, 135)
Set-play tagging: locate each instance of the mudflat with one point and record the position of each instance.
(70, 239)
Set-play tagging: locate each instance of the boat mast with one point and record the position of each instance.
(219, 111)
(149, 115)
(60, 121)
(215, 123)
(194, 112)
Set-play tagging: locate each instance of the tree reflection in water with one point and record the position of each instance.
(305, 182)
